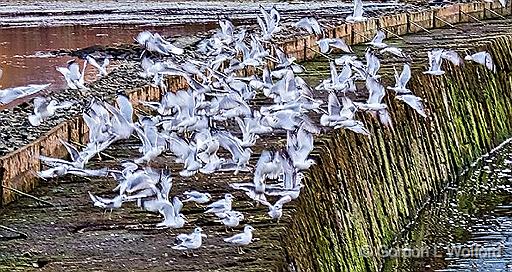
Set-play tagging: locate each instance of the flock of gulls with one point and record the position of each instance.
(215, 116)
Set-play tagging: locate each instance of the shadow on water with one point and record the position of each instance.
(24, 60)
(469, 227)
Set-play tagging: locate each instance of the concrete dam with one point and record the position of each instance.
(361, 196)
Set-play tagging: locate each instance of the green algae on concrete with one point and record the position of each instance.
(364, 190)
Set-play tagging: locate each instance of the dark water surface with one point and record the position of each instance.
(469, 227)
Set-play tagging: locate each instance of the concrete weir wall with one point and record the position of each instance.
(363, 191)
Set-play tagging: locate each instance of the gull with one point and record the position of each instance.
(483, 58)
(414, 102)
(377, 40)
(155, 43)
(250, 128)
(220, 206)
(197, 197)
(239, 155)
(121, 120)
(241, 239)
(190, 241)
(269, 23)
(11, 94)
(404, 94)
(309, 24)
(299, 146)
(436, 56)
(276, 211)
(132, 181)
(338, 82)
(402, 80)
(231, 219)
(338, 117)
(283, 119)
(374, 103)
(226, 31)
(74, 78)
(191, 165)
(150, 146)
(266, 167)
(372, 65)
(393, 50)
(44, 109)
(357, 15)
(102, 69)
(284, 63)
(434, 60)
(107, 203)
(64, 169)
(173, 218)
(78, 159)
(326, 43)
(207, 146)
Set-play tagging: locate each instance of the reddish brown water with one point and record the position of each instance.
(23, 51)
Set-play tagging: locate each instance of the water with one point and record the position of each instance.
(469, 228)
(24, 56)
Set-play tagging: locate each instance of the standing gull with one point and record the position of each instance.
(190, 241)
(241, 239)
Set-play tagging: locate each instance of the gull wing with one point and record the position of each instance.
(125, 107)
(405, 76)
(414, 102)
(74, 71)
(376, 90)
(379, 37)
(333, 105)
(323, 44)
(177, 206)
(73, 152)
(340, 44)
(452, 56)
(283, 200)
(349, 109)
(358, 8)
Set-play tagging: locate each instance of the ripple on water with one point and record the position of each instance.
(469, 227)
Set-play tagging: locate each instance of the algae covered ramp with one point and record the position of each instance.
(363, 191)
(360, 194)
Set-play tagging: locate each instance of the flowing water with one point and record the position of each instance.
(468, 228)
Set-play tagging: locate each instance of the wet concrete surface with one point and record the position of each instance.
(468, 227)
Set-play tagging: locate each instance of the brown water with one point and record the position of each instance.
(24, 56)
